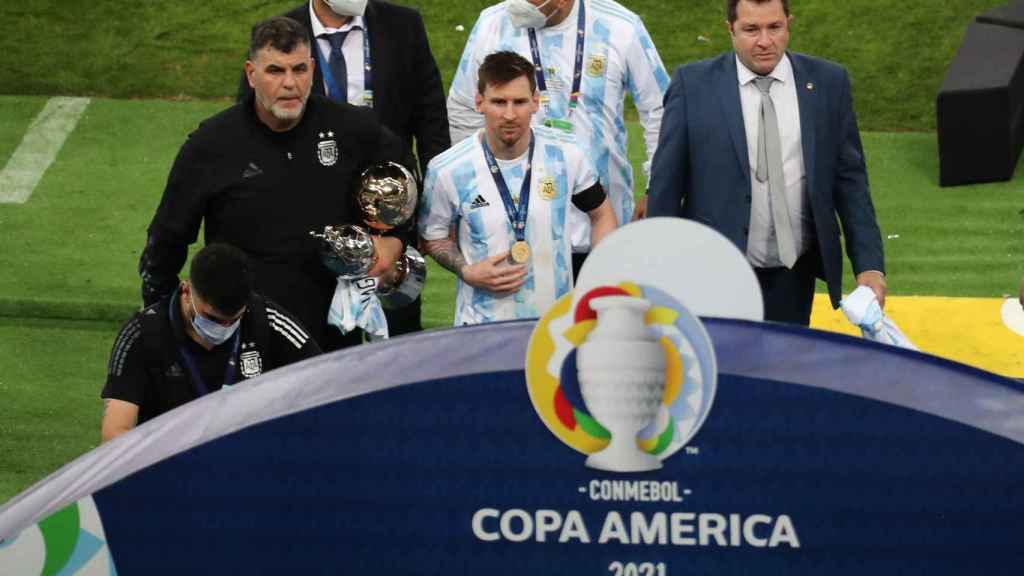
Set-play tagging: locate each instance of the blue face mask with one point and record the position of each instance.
(213, 332)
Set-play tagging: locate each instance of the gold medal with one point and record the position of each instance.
(520, 252)
(548, 191)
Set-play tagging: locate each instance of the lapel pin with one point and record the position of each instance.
(810, 85)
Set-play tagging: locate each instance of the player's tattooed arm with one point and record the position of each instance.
(446, 252)
(494, 273)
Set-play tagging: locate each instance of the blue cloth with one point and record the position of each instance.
(356, 305)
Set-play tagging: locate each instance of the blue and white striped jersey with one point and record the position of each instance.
(459, 191)
(619, 57)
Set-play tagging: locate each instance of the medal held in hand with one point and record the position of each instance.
(520, 251)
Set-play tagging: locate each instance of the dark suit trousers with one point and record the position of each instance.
(406, 319)
(789, 293)
(335, 340)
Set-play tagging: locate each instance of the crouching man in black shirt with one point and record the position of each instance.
(208, 334)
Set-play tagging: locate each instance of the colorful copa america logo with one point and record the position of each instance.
(627, 380)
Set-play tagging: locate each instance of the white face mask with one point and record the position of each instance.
(526, 15)
(347, 7)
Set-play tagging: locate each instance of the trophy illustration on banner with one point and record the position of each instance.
(621, 371)
(386, 199)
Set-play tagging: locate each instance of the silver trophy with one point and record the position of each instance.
(387, 195)
(410, 275)
(347, 250)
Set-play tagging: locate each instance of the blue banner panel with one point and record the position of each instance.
(460, 476)
(781, 451)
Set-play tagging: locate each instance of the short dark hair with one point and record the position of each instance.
(730, 7)
(280, 33)
(221, 275)
(500, 68)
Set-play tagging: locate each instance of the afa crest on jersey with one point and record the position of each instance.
(327, 149)
(252, 363)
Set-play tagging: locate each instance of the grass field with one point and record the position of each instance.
(68, 257)
(896, 52)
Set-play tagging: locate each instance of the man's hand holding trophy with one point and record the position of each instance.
(386, 199)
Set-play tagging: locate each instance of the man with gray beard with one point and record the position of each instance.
(264, 173)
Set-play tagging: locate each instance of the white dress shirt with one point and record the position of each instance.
(762, 249)
(352, 48)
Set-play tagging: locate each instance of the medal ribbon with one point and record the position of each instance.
(577, 72)
(332, 85)
(193, 368)
(516, 216)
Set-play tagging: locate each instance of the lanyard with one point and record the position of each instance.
(516, 216)
(193, 368)
(332, 85)
(229, 368)
(577, 72)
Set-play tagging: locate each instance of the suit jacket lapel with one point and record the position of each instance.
(807, 102)
(378, 59)
(318, 75)
(728, 90)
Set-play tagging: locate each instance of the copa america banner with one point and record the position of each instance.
(810, 454)
(620, 434)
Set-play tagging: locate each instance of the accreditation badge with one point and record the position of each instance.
(548, 190)
(555, 83)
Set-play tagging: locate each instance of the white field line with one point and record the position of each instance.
(39, 147)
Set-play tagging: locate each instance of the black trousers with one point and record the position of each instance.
(406, 319)
(789, 292)
(335, 340)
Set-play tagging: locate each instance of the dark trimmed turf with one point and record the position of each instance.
(897, 52)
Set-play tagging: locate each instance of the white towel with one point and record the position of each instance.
(862, 309)
(355, 304)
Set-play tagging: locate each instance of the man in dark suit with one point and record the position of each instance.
(397, 76)
(762, 145)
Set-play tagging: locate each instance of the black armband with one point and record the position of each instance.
(590, 198)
